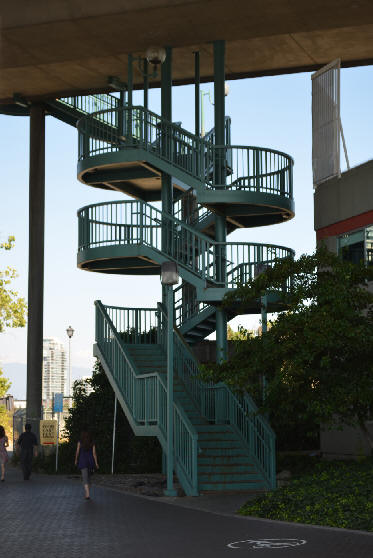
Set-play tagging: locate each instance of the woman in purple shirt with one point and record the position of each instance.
(86, 459)
(3, 453)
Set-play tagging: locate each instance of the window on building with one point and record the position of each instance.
(357, 246)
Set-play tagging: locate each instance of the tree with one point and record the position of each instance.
(317, 357)
(95, 410)
(12, 307)
(12, 314)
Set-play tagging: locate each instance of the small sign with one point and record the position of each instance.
(48, 432)
(58, 403)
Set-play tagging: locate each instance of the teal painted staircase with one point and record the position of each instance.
(221, 443)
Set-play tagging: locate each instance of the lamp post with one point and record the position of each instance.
(70, 333)
(170, 277)
(203, 94)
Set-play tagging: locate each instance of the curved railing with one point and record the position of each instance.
(137, 222)
(252, 169)
(230, 167)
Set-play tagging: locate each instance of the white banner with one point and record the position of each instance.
(326, 122)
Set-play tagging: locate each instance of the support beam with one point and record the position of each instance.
(197, 93)
(36, 263)
(146, 84)
(220, 177)
(166, 112)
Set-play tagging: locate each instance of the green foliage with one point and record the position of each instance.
(240, 335)
(12, 307)
(317, 357)
(95, 411)
(337, 494)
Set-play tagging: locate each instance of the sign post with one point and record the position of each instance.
(58, 408)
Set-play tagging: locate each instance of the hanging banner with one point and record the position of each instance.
(326, 122)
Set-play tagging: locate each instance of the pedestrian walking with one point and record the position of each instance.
(4, 443)
(86, 459)
(28, 445)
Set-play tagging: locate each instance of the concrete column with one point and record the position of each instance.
(36, 262)
(219, 173)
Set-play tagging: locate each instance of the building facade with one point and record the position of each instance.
(344, 222)
(54, 369)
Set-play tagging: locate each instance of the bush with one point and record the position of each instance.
(95, 410)
(337, 494)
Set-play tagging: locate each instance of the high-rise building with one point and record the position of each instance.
(54, 368)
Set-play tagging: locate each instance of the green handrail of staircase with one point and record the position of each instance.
(137, 222)
(242, 167)
(216, 402)
(145, 395)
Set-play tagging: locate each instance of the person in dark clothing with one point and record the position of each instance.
(86, 459)
(28, 444)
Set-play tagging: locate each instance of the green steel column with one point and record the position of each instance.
(219, 173)
(146, 84)
(196, 93)
(166, 112)
(170, 491)
(264, 306)
(129, 97)
(36, 263)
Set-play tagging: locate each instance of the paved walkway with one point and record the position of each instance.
(48, 516)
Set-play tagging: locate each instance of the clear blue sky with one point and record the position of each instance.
(272, 112)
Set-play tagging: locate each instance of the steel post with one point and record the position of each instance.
(36, 262)
(196, 93)
(170, 491)
(264, 305)
(219, 174)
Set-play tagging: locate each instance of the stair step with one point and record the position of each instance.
(248, 486)
(215, 452)
(248, 476)
(221, 443)
(231, 467)
(217, 435)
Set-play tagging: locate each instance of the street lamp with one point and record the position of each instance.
(170, 277)
(70, 333)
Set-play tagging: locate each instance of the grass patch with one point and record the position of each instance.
(335, 494)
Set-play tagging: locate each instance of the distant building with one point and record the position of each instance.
(54, 369)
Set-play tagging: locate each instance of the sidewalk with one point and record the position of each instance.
(48, 517)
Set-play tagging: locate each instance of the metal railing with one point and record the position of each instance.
(87, 104)
(146, 395)
(136, 222)
(253, 169)
(188, 210)
(225, 167)
(218, 404)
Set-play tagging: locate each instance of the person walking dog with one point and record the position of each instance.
(86, 459)
(28, 444)
(4, 443)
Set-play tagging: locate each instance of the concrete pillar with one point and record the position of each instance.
(36, 263)
(219, 173)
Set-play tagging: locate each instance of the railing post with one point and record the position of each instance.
(170, 491)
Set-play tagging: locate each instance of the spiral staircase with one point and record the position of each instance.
(220, 442)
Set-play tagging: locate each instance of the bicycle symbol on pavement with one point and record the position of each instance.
(266, 543)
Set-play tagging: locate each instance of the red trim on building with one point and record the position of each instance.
(345, 226)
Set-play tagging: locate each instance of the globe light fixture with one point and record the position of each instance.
(155, 55)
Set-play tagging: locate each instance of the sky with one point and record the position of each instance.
(272, 112)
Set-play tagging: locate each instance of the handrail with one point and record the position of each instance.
(218, 404)
(229, 167)
(146, 398)
(136, 223)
